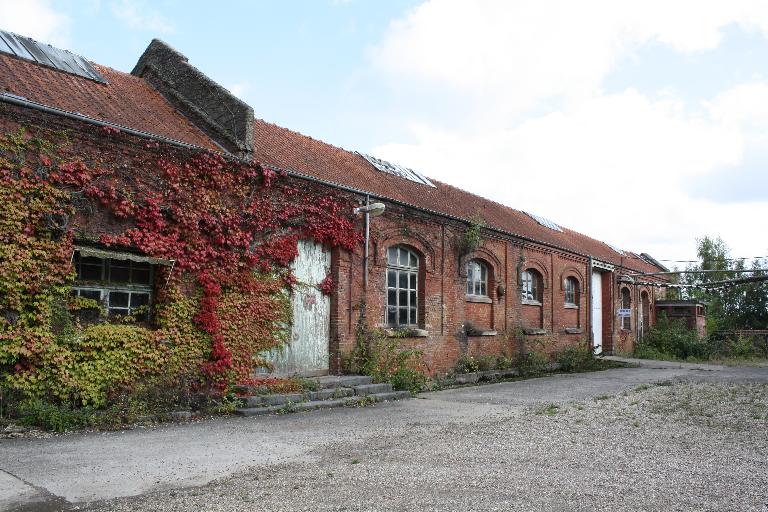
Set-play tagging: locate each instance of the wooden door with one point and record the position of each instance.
(307, 351)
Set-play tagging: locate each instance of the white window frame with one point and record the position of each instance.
(477, 279)
(105, 286)
(571, 287)
(529, 287)
(402, 263)
(626, 321)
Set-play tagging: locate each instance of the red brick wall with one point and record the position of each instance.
(444, 308)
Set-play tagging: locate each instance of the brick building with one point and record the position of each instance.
(527, 282)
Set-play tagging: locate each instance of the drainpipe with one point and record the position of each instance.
(367, 236)
(589, 307)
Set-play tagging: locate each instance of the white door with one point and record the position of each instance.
(597, 311)
(307, 351)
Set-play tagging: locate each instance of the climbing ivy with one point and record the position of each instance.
(230, 226)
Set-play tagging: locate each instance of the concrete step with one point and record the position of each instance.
(327, 394)
(392, 395)
(370, 389)
(342, 381)
(323, 404)
(274, 400)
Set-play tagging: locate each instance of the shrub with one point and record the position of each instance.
(532, 363)
(60, 418)
(578, 358)
(486, 363)
(466, 364)
(384, 358)
(672, 338)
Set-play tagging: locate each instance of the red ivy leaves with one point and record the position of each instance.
(218, 219)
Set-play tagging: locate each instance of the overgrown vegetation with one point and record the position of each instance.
(384, 358)
(672, 339)
(230, 227)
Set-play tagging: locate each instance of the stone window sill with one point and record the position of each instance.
(571, 306)
(481, 333)
(406, 333)
(479, 298)
(532, 303)
(534, 332)
(573, 330)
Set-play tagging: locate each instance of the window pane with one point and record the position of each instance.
(414, 261)
(413, 316)
(403, 316)
(91, 294)
(139, 299)
(119, 274)
(413, 281)
(391, 297)
(140, 276)
(482, 291)
(403, 257)
(403, 298)
(90, 272)
(413, 299)
(391, 316)
(391, 278)
(403, 278)
(118, 299)
(90, 260)
(392, 256)
(470, 290)
(118, 311)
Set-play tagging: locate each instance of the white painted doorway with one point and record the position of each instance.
(597, 311)
(307, 350)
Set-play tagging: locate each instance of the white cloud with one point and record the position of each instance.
(239, 89)
(513, 54)
(36, 19)
(139, 16)
(544, 136)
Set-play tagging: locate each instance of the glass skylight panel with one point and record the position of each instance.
(616, 249)
(396, 170)
(46, 55)
(545, 222)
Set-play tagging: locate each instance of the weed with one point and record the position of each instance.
(602, 397)
(551, 410)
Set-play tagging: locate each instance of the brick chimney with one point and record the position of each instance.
(225, 118)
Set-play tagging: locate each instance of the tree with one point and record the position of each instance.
(738, 306)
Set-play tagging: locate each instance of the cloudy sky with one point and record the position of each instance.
(642, 123)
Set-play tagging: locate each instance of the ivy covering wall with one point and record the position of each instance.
(230, 227)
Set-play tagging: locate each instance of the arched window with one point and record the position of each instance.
(477, 278)
(402, 287)
(530, 286)
(626, 303)
(571, 291)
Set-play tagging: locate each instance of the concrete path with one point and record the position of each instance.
(58, 472)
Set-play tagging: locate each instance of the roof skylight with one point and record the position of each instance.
(396, 170)
(616, 249)
(46, 55)
(545, 222)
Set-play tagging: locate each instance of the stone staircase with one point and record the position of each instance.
(332, 391)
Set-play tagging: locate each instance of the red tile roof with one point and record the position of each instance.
(286, 149)
(130, 101)
(125, 100)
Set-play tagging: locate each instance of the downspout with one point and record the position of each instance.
(367, 236)
(589, 307)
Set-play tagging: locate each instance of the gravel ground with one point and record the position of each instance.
(673, 446)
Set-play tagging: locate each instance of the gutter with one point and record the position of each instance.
(24, 102)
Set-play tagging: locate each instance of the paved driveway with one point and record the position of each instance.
(55, 473)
